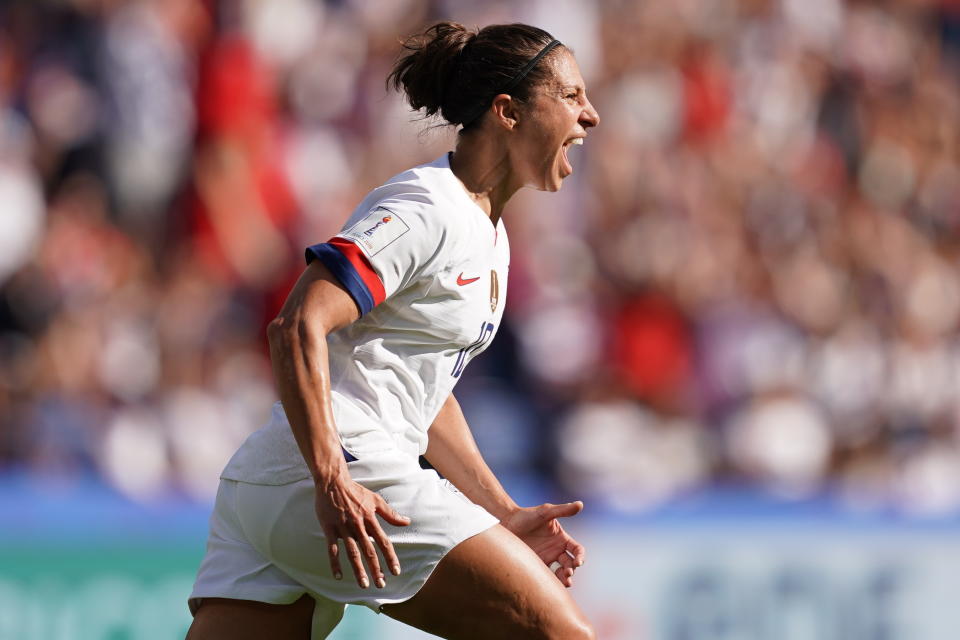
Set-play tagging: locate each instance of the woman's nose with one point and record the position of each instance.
(589, 116)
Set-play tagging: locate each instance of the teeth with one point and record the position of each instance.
(577, 141)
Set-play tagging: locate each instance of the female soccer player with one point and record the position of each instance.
(366, 351)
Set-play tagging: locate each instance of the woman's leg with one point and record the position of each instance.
(227, 619)
(493, 586)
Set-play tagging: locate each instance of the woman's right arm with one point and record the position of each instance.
(317, 305)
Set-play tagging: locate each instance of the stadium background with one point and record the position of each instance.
(733, 333)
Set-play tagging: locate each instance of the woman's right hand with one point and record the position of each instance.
(348, 511)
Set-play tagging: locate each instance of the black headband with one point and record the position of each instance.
(514, 81)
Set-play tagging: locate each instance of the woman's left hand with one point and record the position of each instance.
(539, 528)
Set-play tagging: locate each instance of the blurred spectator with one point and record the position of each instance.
(750, 278)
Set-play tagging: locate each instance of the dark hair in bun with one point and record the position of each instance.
(456, 72)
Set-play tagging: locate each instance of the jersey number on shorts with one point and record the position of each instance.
(486, 332)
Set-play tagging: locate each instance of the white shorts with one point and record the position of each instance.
(265, 543)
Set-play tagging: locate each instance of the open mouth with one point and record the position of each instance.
(568, 168)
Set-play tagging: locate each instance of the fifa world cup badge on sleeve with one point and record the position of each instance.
(377, 230)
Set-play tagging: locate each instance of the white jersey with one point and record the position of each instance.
(428, 271)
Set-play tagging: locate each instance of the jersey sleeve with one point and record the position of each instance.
(380, 254)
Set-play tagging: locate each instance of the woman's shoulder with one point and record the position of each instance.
(425, 183)
(422, 193)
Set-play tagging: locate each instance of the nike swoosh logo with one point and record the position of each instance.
(461, 281)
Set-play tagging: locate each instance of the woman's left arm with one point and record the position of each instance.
(453, 452)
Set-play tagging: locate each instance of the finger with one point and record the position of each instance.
(373, 560)
(577, 552)
(564, 574)
(333, 551)
(356, 560)
(566, 561)
(387, 513)
(368, 551)
(550, 511)
(386, 547)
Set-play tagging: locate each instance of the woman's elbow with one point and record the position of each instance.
(286, 334)
(282, 333)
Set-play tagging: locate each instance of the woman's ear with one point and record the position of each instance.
(505, 111)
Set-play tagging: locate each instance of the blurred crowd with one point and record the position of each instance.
(750, 279)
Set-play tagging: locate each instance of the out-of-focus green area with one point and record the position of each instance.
(95, 592)
(722, 566)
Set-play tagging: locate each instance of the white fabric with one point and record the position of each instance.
(391, 370)
(265, 542)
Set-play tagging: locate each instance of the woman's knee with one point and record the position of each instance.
(571, 627)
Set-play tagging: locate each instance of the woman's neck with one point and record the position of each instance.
(483, 167)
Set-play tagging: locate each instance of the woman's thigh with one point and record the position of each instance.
(493, 586)
(228, 619)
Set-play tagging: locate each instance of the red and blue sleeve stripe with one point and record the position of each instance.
(351, 267)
